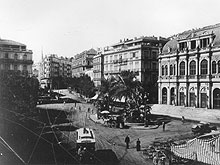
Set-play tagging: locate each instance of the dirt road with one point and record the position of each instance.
(113, 138)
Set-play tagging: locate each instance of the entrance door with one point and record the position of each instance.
(192, 99)
(172, 96)
(164, 96)
(216, 99)
(182, 98)
(203, 100)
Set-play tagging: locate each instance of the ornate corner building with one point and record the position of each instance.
(52, 67)
(189, 73)
(14, 57)
(83, 62)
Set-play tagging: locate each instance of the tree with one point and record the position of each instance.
(129, 87)
(105, 92)
(18, 93)
(86, 86)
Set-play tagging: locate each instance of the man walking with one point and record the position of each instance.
(138, 145)
(127, 141)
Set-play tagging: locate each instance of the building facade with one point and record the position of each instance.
(98, 68)
(138, 55)
(36, 68)
(83, 62)
(54, 66)
(15, 57)
(189, 73)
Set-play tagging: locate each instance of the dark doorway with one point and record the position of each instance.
(216, 98)
(192, 101)
(182, 98)
(172, 96)
(164, 96)
(203, 100)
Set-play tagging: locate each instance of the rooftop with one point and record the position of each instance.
(171, 46)
(10, 42)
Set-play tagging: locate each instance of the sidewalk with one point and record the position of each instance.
(189, 113)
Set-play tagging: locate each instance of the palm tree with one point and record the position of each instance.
(127, 87)
(105, 92)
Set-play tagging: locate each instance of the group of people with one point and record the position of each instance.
(138, 143)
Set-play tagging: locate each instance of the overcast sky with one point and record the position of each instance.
(68, 27)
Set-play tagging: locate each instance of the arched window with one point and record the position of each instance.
(182, 68)
(16, 56)
(166, 70)
(192, 68)
(162, 70)
(213, 67)
(174, 69)
(204, 67)
(171, 69)
(218, 66)
(25, 57)
(164, 95)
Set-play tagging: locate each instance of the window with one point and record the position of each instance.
(218, 66)
(166, 70)
(6, 66)
(162, 70)
(15, 67)
(154, 54)
(6, 55)
(110, 58)
(204, 67)
(174, 69)
(25, 57)
(24, 67)
(182, 46)
(133, 54)
(213, 67)
(192, 68)
(171, 69)
(193, 44)
(146, 54)
(204, 42)
(182, 68)
(125, 56)
(16, 56)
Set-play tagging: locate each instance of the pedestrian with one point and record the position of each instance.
(88, 110)
(138, 145)
(163, 123)
(64, 103)
(127, 141)
(183, 119)
(79, 108)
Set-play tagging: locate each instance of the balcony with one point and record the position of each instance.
(181, 77)
(204, 76)
(15, 61)
(192, 76)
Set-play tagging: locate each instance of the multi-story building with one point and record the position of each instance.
(54, 66)
(36, 68)
(83, 62)
(189, 73)
(138, 55)
(15, 57)
(98, 68)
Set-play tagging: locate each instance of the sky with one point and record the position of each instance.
(69, 27)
